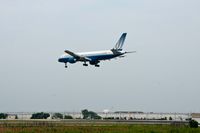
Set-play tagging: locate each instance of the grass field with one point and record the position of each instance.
(89, 128)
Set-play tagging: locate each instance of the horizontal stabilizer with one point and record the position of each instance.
(130, 52)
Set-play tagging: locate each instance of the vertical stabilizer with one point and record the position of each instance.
(120, 42)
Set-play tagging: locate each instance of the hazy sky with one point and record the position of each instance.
(163, 76)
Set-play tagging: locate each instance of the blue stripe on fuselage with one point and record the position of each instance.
(102, 56)
(92, 57)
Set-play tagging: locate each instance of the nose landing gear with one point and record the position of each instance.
(66, 65)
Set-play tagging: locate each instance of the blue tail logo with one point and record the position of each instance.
(120, 42)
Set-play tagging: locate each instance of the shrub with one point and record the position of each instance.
(41, 115)
(193, 124)
(90, 114)
(57, 116)
(109, 118)
(68, 117)
(3, 116)
(16, 117)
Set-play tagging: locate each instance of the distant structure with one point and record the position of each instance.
(139, 115)
(106, 111)
(121, 115)
(196, 116)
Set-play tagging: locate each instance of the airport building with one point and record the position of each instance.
(126, 115)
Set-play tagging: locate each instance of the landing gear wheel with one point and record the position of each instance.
(97, 65)
(65, 65)
(85, 64)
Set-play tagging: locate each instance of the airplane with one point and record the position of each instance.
(95, 57)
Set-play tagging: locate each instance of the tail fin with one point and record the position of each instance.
(120, 42)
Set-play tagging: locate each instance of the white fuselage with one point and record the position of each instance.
(93, 55)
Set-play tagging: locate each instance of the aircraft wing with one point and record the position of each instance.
(78, 57)
(72, 54)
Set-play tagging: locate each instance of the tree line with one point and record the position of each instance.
(86, 115)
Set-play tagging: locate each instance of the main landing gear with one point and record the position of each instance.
(97, 65)
(85, 64)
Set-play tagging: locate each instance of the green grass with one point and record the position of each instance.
(102, 129)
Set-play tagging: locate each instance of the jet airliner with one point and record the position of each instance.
(95, 57)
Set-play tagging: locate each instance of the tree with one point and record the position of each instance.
(193, 124)
(57, 116)
(90, 114)
(85, 114)
(3, 116)
(170, 118)
(41, 115)
(16, 117)
(68, 117)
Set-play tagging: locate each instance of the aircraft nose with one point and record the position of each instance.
(60, 60)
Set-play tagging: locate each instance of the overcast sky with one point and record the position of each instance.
(163, 76)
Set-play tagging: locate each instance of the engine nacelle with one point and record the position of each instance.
(94, 62)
